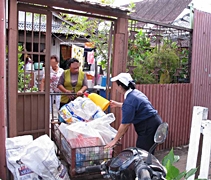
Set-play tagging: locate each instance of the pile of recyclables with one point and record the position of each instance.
(85, 124)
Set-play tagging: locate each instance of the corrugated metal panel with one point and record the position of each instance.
(173, 102)
(201, 55)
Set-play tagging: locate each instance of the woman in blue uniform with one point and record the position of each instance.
(136, 110)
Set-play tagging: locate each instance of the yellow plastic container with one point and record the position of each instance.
(98, 100)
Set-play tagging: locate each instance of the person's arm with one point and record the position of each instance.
(82, 90)
(63, 89)
(84, 87)
(42, 85)
(115, 104)
(60, 84)
(121, 131)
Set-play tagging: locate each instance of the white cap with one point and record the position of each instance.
(125, 78)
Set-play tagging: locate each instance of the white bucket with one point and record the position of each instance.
(90, 83)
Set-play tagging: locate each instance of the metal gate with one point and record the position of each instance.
(34, 39)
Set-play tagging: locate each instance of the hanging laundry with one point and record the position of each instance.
(90, 57)
(78, 53)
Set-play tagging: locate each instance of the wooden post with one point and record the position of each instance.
(119, 61)
(2, 89)
(12, 68)
(199, 114)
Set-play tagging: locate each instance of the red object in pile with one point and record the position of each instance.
(81, 141)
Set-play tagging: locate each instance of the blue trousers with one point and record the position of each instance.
(146, 130)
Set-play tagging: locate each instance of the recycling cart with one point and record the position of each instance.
(81, 152)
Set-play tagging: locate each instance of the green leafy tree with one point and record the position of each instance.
(93, 30)
(139, 48)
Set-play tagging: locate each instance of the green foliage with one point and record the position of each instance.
(138, 51)
(132, 7)
(172, 172)
(166, 60)
(165, 63)
(139, 48)
(23, 78)
(94, 30)
(142, 76)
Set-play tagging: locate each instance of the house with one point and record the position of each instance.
(60, 34)
(164, 11)
(36, 105)
(29, 113)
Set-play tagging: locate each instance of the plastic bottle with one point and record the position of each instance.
(98, 100)
(89, 107)
(99, 113)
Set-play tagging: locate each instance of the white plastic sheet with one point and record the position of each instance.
(41, 158)
(99, 127)
(33, 160)
(15, 149)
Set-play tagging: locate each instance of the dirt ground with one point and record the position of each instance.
(182, 152)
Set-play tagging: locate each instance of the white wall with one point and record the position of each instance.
(55, 48)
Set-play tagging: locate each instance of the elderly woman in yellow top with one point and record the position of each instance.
(72, 80)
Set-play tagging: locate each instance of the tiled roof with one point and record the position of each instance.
(165, 11)
(56, 28)
(57, 25)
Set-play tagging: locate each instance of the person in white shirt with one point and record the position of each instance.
(55, 73)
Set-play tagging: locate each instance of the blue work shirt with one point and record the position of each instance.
(136, 108)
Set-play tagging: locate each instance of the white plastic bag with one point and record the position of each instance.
(99, 127)
(41, 158)
(76, 107)
(102, 126)
(84, 129)
(107, 133)
(85, 108)
(67, 115)
(104, 120)
(15, 149)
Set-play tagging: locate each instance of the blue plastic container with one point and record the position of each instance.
(103, 82)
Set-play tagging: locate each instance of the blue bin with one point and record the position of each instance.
(102, 93)
(103, 82)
